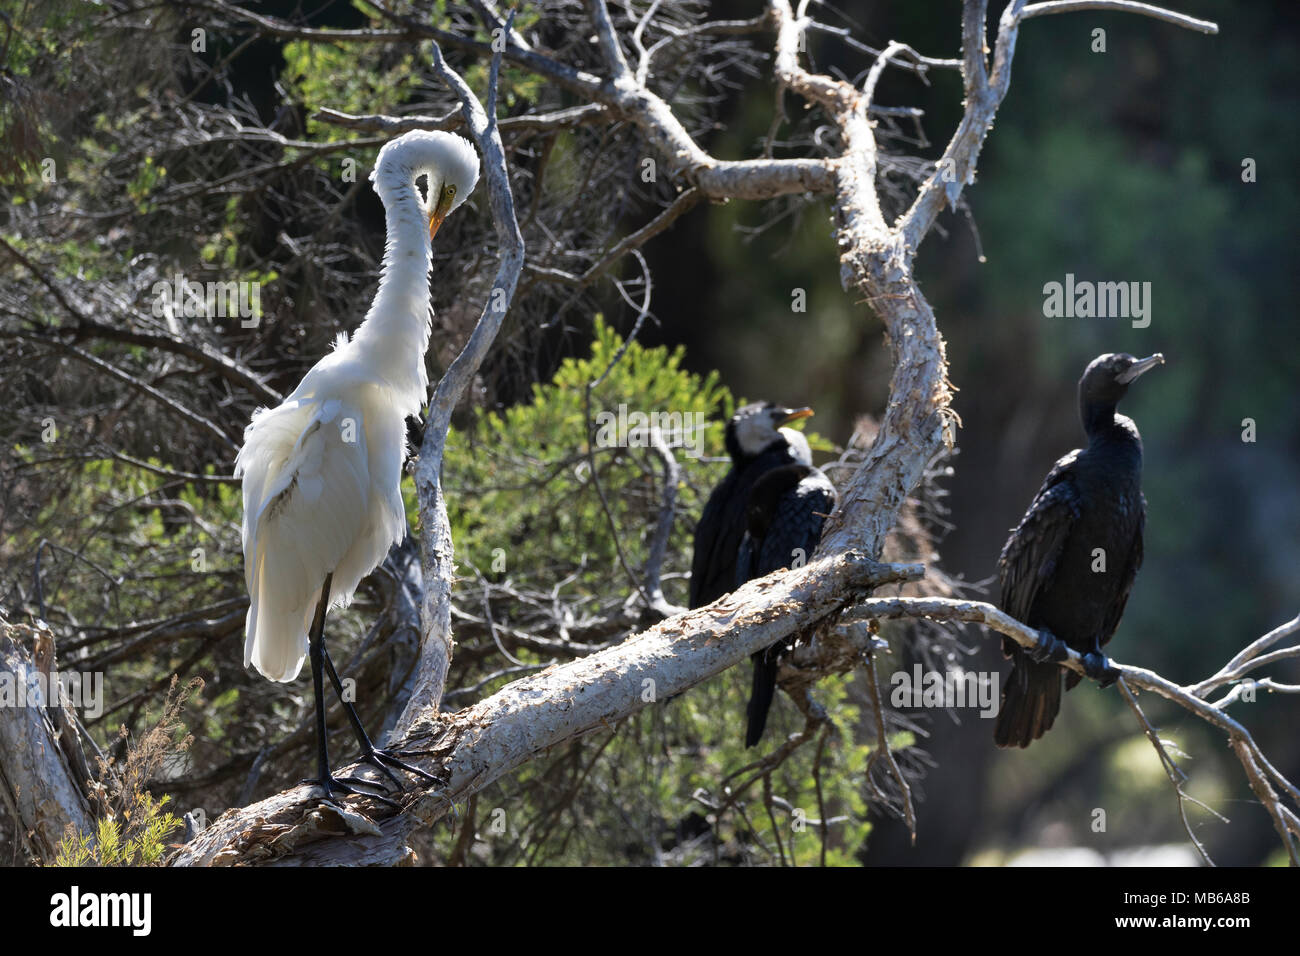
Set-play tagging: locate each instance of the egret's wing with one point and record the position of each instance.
(306, 497)
(385, 524)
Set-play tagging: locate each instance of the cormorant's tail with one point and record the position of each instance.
(1030, 702)
(761, 695)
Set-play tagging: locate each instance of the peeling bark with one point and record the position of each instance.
(43, 772)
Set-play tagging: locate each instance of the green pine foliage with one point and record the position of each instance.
(133, 825)
(142, 843)
(520, 483)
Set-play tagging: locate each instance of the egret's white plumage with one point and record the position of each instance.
(321, 471)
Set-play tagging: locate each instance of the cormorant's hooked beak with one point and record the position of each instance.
(439, 214)
(1140, 367)
(794, 414)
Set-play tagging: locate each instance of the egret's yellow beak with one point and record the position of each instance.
(797, 413)
(439, 213)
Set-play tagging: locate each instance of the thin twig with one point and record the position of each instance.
(1176, 776)
(882, 748)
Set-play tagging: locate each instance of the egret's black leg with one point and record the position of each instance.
(381, 759)
(316, 646)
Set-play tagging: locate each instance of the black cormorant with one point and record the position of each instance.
(1068, 567)
(756, 443)
(786, 509)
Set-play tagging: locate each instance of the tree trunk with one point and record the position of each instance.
(43, 772)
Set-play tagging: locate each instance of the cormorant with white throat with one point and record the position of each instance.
(766, 514)
(783, 524)
(756, 442)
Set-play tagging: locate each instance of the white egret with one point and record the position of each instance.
(321, 471)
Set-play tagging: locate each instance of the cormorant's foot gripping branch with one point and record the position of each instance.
(1049, 648)
(1099, 668)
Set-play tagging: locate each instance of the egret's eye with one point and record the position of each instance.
(450, 191)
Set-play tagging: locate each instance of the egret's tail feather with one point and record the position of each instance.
(276, 641)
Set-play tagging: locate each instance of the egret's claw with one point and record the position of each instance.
(383, 759)
(332, 785)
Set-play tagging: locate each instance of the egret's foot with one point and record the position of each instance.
(409, 753)
(333, 785)
(1099, 668)
(383, 759)
(1048, 649)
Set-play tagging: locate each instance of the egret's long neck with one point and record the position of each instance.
(395, 333)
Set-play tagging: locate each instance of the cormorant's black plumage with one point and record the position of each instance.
(1089, 510)
(784, 515)
(756, 445)
(765, 512)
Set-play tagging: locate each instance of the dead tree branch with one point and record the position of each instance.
(1261, 774)
(43, 773)
(437, 554)
(473, 747)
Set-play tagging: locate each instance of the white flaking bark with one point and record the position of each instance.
(43, 773)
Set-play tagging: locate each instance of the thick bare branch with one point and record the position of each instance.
(43, 775)
(607, 37)
(471, 748)
(455, 120)
(956, 169)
